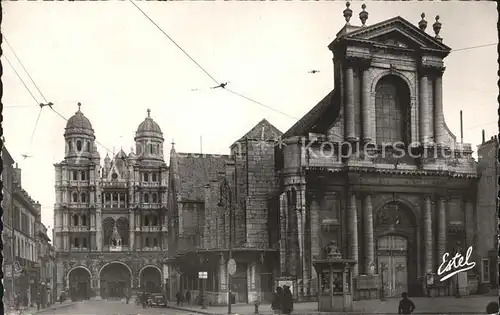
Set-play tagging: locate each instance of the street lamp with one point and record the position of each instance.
(227, 202)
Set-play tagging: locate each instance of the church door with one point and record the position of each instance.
(392, 253)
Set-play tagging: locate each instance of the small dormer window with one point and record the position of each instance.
(78, 145)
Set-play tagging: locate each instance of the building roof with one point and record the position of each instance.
(264, 130)
(320, 117)
(195, 171)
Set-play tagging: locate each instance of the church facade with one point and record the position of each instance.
(374, 169)
(109, 229)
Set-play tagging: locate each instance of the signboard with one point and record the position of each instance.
(202, 274)
(231, 267)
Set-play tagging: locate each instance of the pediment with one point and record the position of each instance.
(398, 32)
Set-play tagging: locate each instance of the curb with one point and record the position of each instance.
(52, 308)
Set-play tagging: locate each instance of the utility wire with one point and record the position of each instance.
(173, 41)
(34, 129)
(24, 68)
(473, 47)
(22, 81)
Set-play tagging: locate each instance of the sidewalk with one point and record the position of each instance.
(33, 310)
(441, 305)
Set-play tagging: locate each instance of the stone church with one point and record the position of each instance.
(374, 169)
(109, 221)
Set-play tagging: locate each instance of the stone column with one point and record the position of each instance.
(283, 230)
(350, 129)
(222, 281)
(470, 228)
(315, 246)
(428, 234)
(424, 110)
(438, 109)
(353, 231)
(368, 231)
(368, 107)
(441, 233)
(98, 232)
(131, 230)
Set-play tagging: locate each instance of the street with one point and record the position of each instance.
(109, 308)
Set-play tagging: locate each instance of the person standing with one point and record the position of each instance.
(287, 302)
(188, 297)
(406, 306)
(276, 305)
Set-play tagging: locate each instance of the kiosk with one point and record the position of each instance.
(335, 280)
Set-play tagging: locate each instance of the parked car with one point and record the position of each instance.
(158, 300)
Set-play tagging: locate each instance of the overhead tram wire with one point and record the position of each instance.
(24, 68)
(36, 101)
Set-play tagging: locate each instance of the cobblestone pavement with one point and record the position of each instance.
(34, 310)
(109, 308)
(441, 305)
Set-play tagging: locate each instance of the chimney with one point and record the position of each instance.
(483, 136)
(17, 175)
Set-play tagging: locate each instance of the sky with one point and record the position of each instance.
(112, 59)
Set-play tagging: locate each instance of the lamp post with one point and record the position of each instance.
(227, 202)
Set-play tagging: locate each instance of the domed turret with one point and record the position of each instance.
(79, 137)
(78, 124)
(149, 140)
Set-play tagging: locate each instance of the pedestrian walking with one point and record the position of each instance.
(277, 303)
(492, 308)
(188, 297)
(287, 302)
(406, 306)
(179, 297)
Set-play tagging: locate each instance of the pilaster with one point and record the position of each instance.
(438, 109)
(98, 232)
(368, 232)
(441, 237)
(424, 110)
(131, 230)
(350, 125)
(353, 230)
(428, 234)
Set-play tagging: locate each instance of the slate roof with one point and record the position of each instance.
(319, 118)
(197, 170)
(264, 130)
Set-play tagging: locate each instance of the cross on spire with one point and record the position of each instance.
(79, 105)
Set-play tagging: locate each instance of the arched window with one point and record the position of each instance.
(88, 146)
(79, 145)
(70, 148)
(154, 220)
(150, 149)
(147, 242)
(75, 220)
(146, 198)
(158, 149)
(75, 175)
(155, 242)
(155, 198)
(84, 243)
(146, 177)
(84, 220)
(84, 197)
(76, 242)
(146, 221)
(153, 179)
(75, 197)
(392, 111)
(115, 200)
(83, 175)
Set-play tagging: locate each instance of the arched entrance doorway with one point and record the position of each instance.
(115, 280)
(150, 279)
(396, 252)
(79, 284)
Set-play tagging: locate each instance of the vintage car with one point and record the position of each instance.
(157, 300)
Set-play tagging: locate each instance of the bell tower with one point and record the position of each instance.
(390, 80)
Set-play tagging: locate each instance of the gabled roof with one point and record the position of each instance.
(397, 27)
(264, 130)
(319, 118)
(195, 171)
